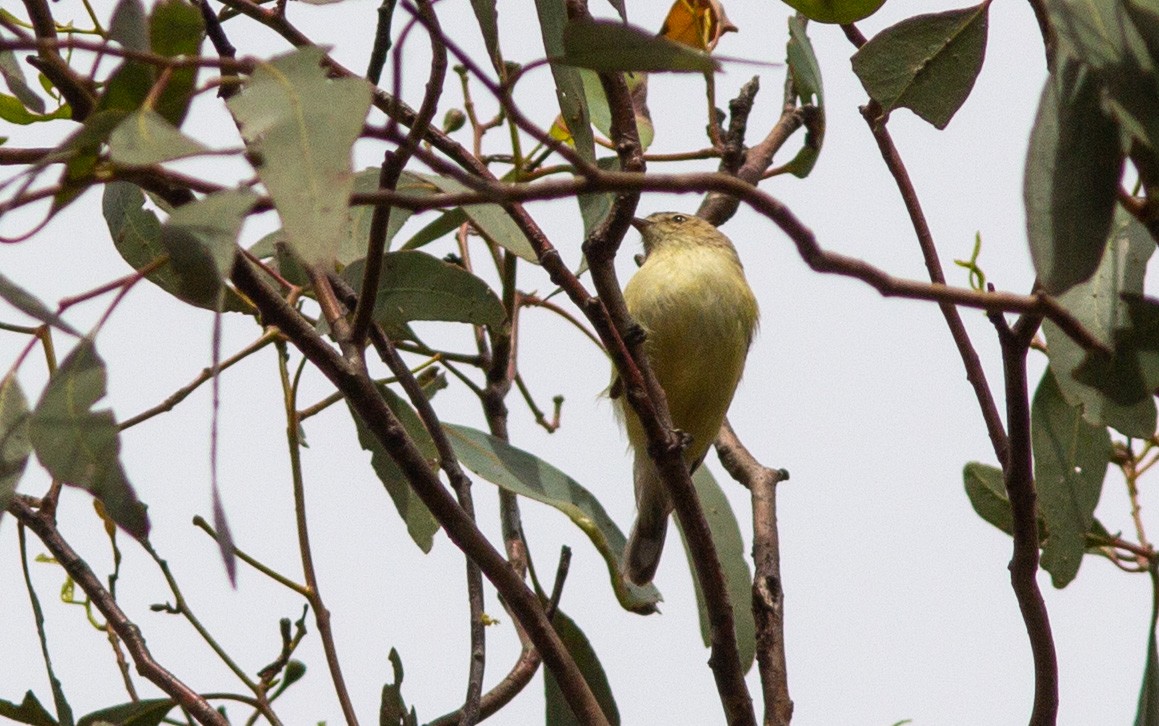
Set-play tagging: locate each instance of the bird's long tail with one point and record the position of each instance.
(646, 541)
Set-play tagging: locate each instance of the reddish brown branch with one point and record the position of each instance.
(768, 595)
(1018, 474)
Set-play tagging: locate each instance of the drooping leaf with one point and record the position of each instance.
(1148, 711)
(601, 115)
(737, 574)
(420, 523)
(806, 74)
(558, 713)
(1072, 177)
(129, 27)
(1070, 463)
(300, 126)
(30, 305)
(1099, 306)
(201, 241)
(80, 152)
(30, 711)
(605, 45)
(927, 63)
(392, 709)
(569, 91)
(1130, 376)
(491, 220)
(522, 473)
(488, 19)
(356, 232)
(444, 224)
(147, 712)
(836, 11)
(145, 138)
(415, 286)
(176, 28)
(13, 111)
(987, 493)
(13, 75)
(14, 444)
(137, 235)
(698, 24)
(81, 446)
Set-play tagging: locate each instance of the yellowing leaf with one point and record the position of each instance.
(696, 23)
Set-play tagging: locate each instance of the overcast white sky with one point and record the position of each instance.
(897, 596)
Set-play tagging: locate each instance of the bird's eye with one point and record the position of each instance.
(679, 219)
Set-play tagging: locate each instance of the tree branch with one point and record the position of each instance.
(360, 391)
(126, 630)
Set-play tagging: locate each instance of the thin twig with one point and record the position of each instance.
(127, 631)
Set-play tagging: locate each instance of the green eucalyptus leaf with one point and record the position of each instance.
(420, 523)
(30, 305)
(129, 27)
(737, 574)
(927, 63)
(356, 232)
(176, 28)
(14, 444)
(609, 45)
(415, 286)
(13, 74)
(81, 446)
(1098, 305)
(522, 473)
(392, 710)
(201, 241)
(13, 110)
(836, 11)
(145, 138)
(558, 713)
(1070, 463)
(1148, 710)
(442, 225)
(299, 126)
(805, 72)
(491, 220)
(137, 235)
(147, 712)
(1130, 376)
(1072, 177)
(30, 711)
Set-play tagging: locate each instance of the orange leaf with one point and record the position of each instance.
(696, 23)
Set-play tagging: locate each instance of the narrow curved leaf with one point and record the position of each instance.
(1148, 711)
(444, 224)
(81, 446)
(609, 45)
(927, 63)
(137, 235)
(145, 138)
(522, 473)
(14, 444)
(30, 305)
(415, 286)
(491, 220)
(1129, 377)
(129, 27)
(1070, 463)
(421, 525)
(574, 104)
(1072, 176)
(836, 11)
(300, 126)
(558, 713)
(737, 573)
(201, 241)
(13, 110)
(147, 712)
(13, 75)
(30, 711)
(1098, 304)
(176, 28)
(805, 72)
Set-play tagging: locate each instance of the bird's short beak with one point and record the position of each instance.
(640, 224)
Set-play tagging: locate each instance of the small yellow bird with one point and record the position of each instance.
(699, 315)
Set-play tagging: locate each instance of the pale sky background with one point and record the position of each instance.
(897, 596)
